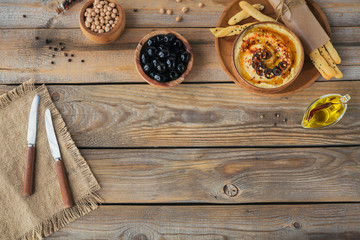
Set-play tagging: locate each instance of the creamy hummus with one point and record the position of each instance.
(267, 55)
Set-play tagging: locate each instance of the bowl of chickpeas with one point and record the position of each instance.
(102, 21)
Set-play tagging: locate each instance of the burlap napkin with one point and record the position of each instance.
(43, 212)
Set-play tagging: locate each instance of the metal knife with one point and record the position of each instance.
(31, 139)
(60, 169)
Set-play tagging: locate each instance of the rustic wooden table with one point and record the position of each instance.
(195, 161)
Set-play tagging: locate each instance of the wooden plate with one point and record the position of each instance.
(224, 47)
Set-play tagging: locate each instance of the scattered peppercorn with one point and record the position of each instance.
(62, 48)
(69, 60)
(135, 10)
(24, 16)
(65, 54)
(47, 41)
(277, 115)
(52, 62)
(53, 56)
(82, 60)
(60, 43)
(285, 120)
(50, 48)
(55, 49)
(72, 55)
(37, 38)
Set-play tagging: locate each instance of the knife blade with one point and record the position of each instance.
(31, 139)
(56, 154)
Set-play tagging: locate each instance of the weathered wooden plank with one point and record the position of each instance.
(325, 221)
(40, 14)
(23, 57)
(198, 115)
(202, 175)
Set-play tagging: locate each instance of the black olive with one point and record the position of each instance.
(146, 67)
(160, 67)
(268, 73)
(169, 38)
(178, 43)
(259, 71)
(151, 42)
(155, 62)
(170, 62)
(277, 71)
(181, 68)
(159, 77)
(159, 38)
(151, 74)
(282, 65)
(266, 54)
(163, 54)
(151, 51)
(185, 56)
(173, 75)
(256, 56)
(144, 59)
(255, 64)
(163, 47)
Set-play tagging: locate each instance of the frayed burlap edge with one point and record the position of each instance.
(83, 206)
(16, 93)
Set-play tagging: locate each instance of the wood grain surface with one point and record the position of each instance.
(205, 175)
(321, 221)
(139, 13)
(24, 57)
(198, 115)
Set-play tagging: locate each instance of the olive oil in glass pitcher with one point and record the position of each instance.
(325, 111)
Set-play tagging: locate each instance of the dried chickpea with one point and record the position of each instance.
(113, 15)
(107, 29)
(169, 12)
(89, 19)
(114, 10)
(87, 24)
(108, 13)
(97, 10)
(185, 9)
(178, 18)
(102, 14)
(112, 5)
(201, 5)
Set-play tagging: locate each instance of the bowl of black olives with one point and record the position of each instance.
(164, 58)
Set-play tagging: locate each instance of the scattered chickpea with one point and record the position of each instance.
(178, 18)
(201, 5)
(169, 12)
(178, 1)
(185, 9)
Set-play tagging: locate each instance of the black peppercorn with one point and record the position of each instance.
(82, 60)
(69, 60)
(53, 56)
(52, 62)
(65, 54)
(37, 38)
(72, 55)
(55, 49)
(24, 16)
(50, 48)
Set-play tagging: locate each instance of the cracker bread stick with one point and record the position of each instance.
(329, 60)
(255, 13)
(322, 66)
(236, 31)
(243, 14)
(333, 53)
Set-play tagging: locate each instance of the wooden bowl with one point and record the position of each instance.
(106, 37)
(248, 85)
(152, 81)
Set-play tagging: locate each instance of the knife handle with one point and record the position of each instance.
(29, 172)
(64, 185)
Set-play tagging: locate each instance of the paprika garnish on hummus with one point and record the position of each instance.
(267, 55)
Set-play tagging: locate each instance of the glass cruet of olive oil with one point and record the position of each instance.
(325, 111)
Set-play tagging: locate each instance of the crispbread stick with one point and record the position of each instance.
(322, 66)
(243, 14)
(329, 60)
(255, 13)
(237, 29)
(333, 53)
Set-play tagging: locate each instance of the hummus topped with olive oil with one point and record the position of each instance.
(267, 55)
